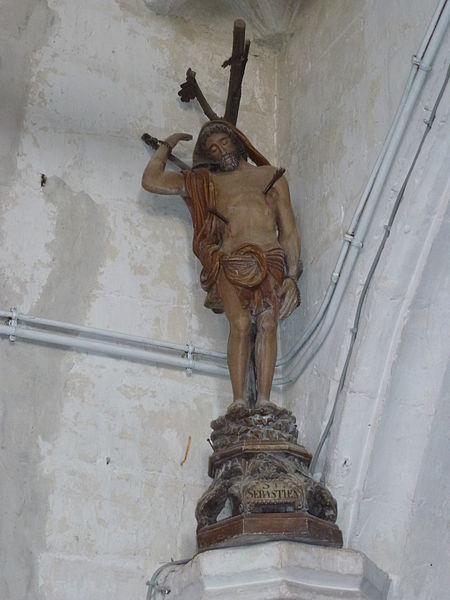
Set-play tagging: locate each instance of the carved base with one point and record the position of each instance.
(264, 527)
(261, 488)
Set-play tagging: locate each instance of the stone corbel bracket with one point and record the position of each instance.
(278, 570)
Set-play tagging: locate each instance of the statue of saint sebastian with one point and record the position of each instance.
(245, 238)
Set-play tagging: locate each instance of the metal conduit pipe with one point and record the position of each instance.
(312, 327)
(440, 23)
(417, 64)
(372, 270)
(110, 349)
(153, 585)
(391, 138)
(297, 347)
(114, 336)
(77, 337)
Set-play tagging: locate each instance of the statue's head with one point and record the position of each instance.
(239, 146)
(221, 145)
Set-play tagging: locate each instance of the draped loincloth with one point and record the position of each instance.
(256, 275)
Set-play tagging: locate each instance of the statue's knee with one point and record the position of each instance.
(268, 325)
(241, 326)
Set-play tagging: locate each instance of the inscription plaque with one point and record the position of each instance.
(273, 491)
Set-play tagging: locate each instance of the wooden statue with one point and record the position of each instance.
(245, 237)
(244, 228)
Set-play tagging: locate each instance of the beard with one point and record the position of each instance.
(229, 161)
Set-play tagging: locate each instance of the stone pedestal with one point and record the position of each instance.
(262, 489)
(277, 570)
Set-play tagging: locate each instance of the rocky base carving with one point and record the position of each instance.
(270, 423)
(261, 485)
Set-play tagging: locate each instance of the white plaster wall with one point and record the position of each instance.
(341, 77)
(93, 495)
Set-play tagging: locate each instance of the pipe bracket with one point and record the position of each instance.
(350, 238)
(190, 349)
(420, 64)
(13, 323)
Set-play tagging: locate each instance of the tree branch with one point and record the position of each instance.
(237, 61)
(190, 90)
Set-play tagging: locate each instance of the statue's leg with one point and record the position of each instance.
(265, 353)
(239, 338)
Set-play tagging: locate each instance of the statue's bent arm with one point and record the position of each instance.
(155, 179)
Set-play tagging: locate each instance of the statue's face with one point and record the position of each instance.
(222, 150)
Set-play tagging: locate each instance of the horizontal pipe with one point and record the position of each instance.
(109, 349)
(73, 336)
(107, 334)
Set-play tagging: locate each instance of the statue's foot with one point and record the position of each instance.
(237, 405)
(264, 403)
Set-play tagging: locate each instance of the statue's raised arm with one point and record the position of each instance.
(155, 179)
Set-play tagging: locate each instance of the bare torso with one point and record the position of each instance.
(251, 215)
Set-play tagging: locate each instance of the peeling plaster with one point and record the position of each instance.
(77, 253)
(31, 405)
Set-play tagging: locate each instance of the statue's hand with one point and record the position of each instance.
(289, 296)
(173, 139)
